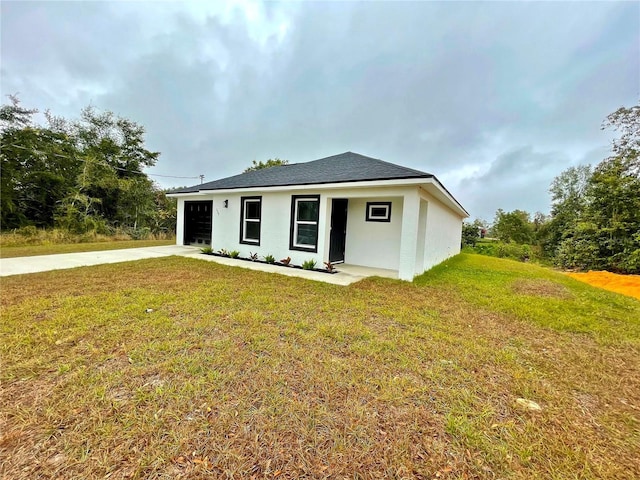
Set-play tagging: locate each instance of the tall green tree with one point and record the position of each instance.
(38, 166)
(611, 221)
(626, 120)
(513, 226)
(82, 175)
(165, 213)
(603, 226)
(472, 232)
(80, 208)
(568, 197)
(13, 119)
(117, 143)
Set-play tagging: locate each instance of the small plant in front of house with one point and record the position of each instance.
(270, 259)
(309, 264)
(285, 261)
(234, 253)
(207, 250)
(329, 266)
(253, 256)
(223, 252)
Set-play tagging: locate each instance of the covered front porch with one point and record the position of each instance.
(356, 271)
(381, 229)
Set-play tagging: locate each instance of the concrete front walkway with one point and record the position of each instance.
(346, 275)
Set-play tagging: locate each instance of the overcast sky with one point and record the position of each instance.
(493, 98)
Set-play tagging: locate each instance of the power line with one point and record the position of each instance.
(173, 176)
(38, 152)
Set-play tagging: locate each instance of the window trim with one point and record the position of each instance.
(372, 218)
(294, 222)
(243, 211)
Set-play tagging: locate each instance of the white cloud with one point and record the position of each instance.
(494, 98)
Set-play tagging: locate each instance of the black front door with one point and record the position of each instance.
(338, 236)
(197, 222)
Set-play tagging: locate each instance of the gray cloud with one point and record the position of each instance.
(494, 98)
(518, 178)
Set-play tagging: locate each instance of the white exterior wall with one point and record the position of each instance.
(274, 226)
(409, 240)
(443, 232)
(180, 222)
(373, 244)
(422, 232)
(422, 236)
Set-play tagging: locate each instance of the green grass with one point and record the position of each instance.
(538, 295)
(240, 374)
(32, 250)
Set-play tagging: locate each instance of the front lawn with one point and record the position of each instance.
(176, 368)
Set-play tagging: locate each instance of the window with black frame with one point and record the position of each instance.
(305, 212)
(250, 220)
(378, 212)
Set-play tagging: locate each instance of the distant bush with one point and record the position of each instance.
(470, 234)
(485, 248)
(39, 236)
(143, 233)
(511, 250)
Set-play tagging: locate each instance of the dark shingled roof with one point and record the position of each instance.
(345, 167)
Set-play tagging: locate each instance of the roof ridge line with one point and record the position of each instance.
(402, 166)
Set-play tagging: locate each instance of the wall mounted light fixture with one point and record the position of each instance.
(226, 204)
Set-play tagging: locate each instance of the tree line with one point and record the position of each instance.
(594, 222)
(80, 175)
(86, 175)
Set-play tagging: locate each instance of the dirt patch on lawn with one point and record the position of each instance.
(540, 288)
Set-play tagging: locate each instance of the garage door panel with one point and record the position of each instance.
(197, 222)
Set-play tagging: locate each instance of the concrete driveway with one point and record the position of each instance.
(347, 274)
(44, 263)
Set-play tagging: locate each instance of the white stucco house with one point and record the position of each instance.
(346, 208)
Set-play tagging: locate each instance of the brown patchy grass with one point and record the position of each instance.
(540, 287)
(243, 374)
